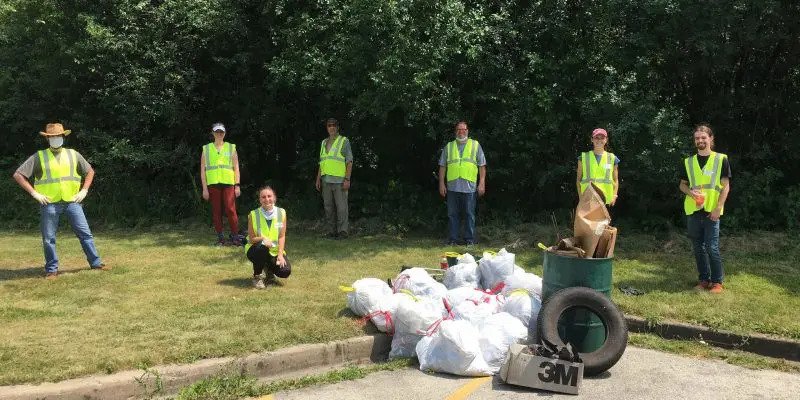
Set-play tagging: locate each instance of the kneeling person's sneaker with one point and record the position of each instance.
(258, 282)
(715, 288)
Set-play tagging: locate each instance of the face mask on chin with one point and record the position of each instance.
(461, 139)
(56, 142)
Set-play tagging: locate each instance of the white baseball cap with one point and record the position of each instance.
(217, 127)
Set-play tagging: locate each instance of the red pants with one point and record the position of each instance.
(223, 198)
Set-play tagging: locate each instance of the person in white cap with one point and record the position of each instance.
(219, 173)
(599, 167)
(57, 173)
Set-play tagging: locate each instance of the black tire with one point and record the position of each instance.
(609, 353)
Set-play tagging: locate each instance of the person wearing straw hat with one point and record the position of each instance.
(219, 174)
(599, 167)
(56, 173)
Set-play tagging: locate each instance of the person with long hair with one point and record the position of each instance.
(599, 167)
(266, 240)
(705, 182)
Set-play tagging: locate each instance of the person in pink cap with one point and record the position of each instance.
(599, 167)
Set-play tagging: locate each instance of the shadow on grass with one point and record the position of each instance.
(242, 283)
(31, 272)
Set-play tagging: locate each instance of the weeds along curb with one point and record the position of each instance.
(164, 380)
(754, 343)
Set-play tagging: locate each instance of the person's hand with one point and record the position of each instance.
(280, 261)
(237, 190)
(346, 185)
(80, 195)
(442, 189)
(318, 185)
(42, 199)
(205, 194)
(714, 216)
(266, 242)
(481, 189)
(695, 192)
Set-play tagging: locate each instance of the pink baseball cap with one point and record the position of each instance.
(599, 131)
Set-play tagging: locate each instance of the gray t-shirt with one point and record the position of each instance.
(462, 185)
(347, 152)
(32, 168)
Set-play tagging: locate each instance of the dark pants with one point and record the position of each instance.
(461, 206)
(704, 234)
(262, 260)
(223, 199)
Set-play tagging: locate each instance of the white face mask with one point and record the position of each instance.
(56, 142)
(461, 139)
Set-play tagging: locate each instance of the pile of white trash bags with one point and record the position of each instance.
(464, 326)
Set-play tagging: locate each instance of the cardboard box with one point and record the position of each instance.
(608, 240)
(541, 372)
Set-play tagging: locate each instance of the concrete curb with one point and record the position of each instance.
(754, 343)
(171, 378)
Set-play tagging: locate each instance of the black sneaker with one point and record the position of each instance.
(220, 240)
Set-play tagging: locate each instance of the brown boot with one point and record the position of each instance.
(715, 288)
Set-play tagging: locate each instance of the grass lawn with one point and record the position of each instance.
(173, 298)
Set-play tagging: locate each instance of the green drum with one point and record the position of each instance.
(579, 327)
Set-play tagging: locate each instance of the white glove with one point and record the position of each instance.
(42, 199)
(80, 196)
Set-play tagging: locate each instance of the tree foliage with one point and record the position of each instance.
(140, 82)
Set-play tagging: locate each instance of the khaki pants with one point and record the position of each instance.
(335, 201)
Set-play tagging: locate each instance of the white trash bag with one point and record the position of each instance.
(384, 317)
(366, 294)
(453, 348)
(463, 274)
(523, 280)
(412, 319)
(523, 305)
(458, 295)
(497, 333)
(495, 268)
(419, 283)
(474, 313)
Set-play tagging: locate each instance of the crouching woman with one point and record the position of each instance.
(266, 242)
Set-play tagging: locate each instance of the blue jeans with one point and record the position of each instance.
(461, 205)
(51, 213)
(704, 234)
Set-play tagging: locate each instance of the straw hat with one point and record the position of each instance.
(55, 129)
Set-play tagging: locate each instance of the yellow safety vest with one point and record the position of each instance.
(707, 179)
(273, 230)
(464, 165)
(600, 173)
(60, 181)
(219, 164)
(332, 162)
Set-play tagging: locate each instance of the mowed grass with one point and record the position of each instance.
(173, 298)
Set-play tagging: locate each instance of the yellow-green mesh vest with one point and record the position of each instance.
(708, 179)
(332, 162)
(60, 181)
(271, 231)
(219, 165)
(464, 165)
(600, 173)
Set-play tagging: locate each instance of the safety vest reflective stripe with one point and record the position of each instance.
(47, 175)
(336, 150)
(587, 168)
(465, 165)
(714, 174)
(332, 163)
(454, 158)
(226, 154)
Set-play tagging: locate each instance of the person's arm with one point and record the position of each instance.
(580, 176)
(442, 186)
(203, 173)
(482, 183)
(281, 242)
(348, 171)
(616, 184)
(723, 196)
(236, 177)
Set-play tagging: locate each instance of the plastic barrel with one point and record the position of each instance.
(579, 327)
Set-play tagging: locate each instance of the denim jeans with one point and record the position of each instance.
(50, 215)
(461, 205)
(704, 234)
